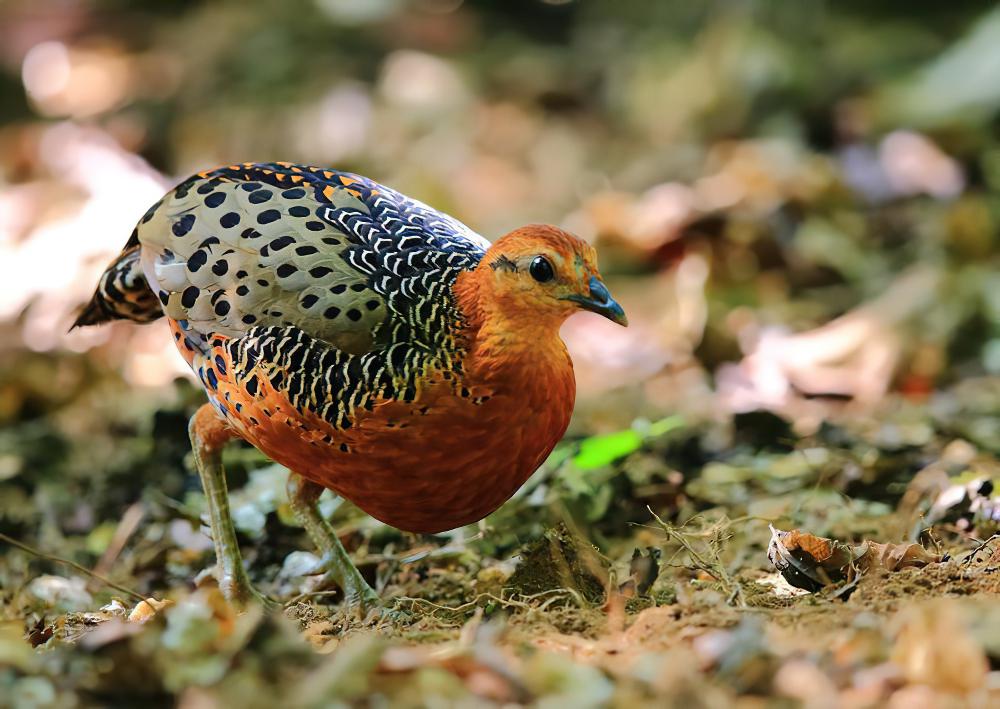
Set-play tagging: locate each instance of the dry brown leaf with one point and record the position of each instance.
(811, 562)
(145, 610)
(819, 548)
(892, 557)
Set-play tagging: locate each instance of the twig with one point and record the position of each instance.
(130, 522)
(714, 568)
(982, 545)
(523, 602)
(72, 564)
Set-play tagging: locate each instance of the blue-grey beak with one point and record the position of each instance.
(601, 302)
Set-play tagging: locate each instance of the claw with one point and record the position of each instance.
(360, 600)
(391, 614)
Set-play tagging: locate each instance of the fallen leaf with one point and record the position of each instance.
(40, 633)
(643, 572)
(892, 557)
(812, 563)
(145, 610)
(780, 586)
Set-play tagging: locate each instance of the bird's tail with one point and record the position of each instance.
(122, 293)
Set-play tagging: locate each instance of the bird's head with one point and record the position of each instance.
(542, 274)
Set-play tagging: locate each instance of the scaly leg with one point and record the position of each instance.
(303, 496)
(209, 434)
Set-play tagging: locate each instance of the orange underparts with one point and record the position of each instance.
(430, 465)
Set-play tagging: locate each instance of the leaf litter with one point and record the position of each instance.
(646, 601)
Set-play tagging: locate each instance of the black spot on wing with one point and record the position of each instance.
(183, 225)
(268, 216)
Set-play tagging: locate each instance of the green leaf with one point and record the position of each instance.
(598, 451)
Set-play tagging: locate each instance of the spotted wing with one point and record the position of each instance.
(343, 259)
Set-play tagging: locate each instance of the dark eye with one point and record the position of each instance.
(541, 270)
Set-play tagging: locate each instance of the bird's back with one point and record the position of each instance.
(281, 261)
(336, 255)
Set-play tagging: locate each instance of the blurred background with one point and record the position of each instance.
(797, 204)
(747, 170)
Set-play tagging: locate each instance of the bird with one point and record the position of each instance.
(372, 345)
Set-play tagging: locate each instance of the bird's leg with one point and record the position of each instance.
(209, 434)
(304, 496)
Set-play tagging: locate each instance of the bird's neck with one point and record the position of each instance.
(517, 366)
(505, 340)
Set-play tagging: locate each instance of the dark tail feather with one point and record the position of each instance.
(122, 294)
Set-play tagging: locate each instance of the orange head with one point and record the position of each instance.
(539, 275)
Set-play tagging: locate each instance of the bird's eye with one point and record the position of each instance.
(541, 270)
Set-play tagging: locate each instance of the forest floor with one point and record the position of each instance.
(658, 562)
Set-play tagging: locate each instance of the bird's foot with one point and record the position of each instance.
(388, 613)
(359, 597)
(361, 602)
(242, 594)
(362, 605)
(376, 613)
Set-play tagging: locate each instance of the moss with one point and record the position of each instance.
(559, 560)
